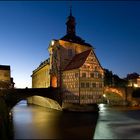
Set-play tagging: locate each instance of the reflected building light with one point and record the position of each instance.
(102, 107)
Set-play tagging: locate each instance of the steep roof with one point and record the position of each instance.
(75, 39)
(42, 64)
(78, 60)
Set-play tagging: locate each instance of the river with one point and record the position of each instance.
(35, 122)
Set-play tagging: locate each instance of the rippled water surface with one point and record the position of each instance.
(118, 123)
(35, 122)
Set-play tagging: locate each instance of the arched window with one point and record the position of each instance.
(54, 81)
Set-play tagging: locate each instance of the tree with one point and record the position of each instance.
(111, 79)
(107, 77)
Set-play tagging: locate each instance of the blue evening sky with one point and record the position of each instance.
(27, 27)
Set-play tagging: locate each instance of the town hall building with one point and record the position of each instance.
(73, 66)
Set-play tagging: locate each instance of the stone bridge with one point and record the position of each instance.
(13, 96)
(120, 91)
(10, 97)
(125, 94)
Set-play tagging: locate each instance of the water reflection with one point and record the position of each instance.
(78, 126)
(34, 122)
(118, 123)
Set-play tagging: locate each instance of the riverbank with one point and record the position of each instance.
(118, 107)
(80, 107)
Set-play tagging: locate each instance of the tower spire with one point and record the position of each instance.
(71, 23)
(70, 10)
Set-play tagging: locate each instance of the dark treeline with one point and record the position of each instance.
(111, 79)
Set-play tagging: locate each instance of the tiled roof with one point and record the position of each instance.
(4, 67)
(78, 60)
(75, 39)
(42, 64)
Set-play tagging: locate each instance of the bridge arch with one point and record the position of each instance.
(114, 90)
(50, 97)
(44, 101)
(114, 95)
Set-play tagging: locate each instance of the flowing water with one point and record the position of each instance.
(35, 122)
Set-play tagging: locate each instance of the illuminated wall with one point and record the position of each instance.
(61, 52)
(84, 85)
(41, 76)
(5, 77)
(134, 82)
(71, 86)
(70, 49)
(91, 81)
